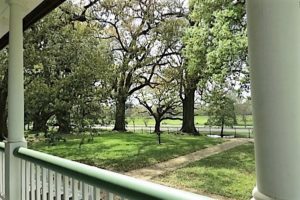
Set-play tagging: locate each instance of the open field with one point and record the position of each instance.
(123, 152)
(230, 174)
(199, 120)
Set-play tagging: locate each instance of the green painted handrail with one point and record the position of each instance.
(119, 184)
(2, 146)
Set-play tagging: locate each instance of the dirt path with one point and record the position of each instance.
(173, 164)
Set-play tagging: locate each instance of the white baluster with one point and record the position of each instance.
(23, 168)
(32, 181)
(38, 182)
(91, 193)
(85, 191)
(58, 186)
(50, 185)
(44, 183)
(27, 180)
(74, 189)
(96, 193)
(1, 173)
(66, 187)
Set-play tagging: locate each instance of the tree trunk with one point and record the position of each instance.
(222, 129)
(120, 114)
(64, 122)
(40, 124)
(158, 136)
(157, 126)
(188, 121)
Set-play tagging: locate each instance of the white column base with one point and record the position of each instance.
(13, 183)
(257, 195)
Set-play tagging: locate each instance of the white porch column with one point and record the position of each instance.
(15, 102)
(15, 74)
(274, 49)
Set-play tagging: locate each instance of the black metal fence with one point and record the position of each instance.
(229, 132)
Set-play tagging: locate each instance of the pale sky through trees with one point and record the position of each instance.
(78, 2)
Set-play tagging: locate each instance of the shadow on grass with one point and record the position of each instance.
(123, 152)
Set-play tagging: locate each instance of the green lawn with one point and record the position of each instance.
(126, 151)
(230, 174)
(199, 120)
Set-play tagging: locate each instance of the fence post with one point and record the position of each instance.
(249, 130)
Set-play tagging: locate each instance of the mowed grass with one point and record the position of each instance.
(199, 121)
(230, 174)
(123, 152)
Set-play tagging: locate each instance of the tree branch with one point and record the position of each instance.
(144, 103)
(171, 118)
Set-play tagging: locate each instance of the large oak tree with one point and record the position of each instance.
(66, 70)
(215, 50)
(142, 34)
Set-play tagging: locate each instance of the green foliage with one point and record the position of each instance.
(221, 110)
(216, 43)
(230, 174)
(3, 62)
(67, 71)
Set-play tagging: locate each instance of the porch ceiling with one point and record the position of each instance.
(34, 10)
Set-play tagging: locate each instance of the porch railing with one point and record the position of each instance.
(2, 171)
(47, 177)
